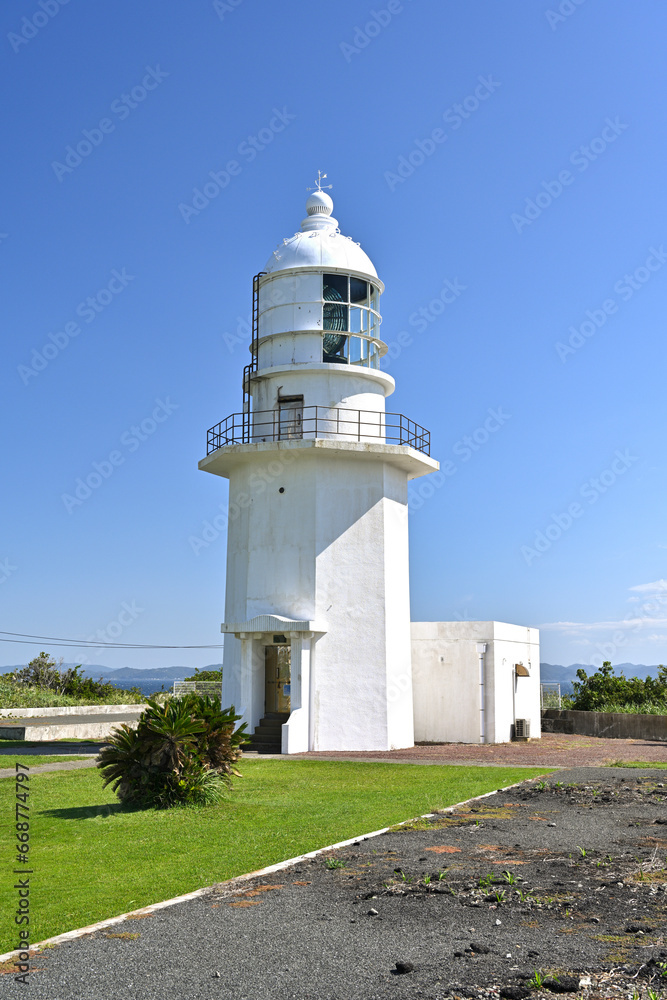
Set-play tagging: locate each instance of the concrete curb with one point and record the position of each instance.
(38, 713)
(240, 879)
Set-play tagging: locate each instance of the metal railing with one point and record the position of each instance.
(550, 695)
(211, 688)
(311, 422)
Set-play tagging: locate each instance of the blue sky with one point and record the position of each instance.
(503, 166)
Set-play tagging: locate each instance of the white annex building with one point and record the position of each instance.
(319, 650)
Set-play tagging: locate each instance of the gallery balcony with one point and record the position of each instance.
(318, 422)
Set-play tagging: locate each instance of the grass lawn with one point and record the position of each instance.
(94, 859)
(34, 760)
(637, 763)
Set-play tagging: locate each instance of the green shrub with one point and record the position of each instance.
(604, 689)
(45, 675)
(182, 752)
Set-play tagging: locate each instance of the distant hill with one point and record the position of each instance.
(147, 680)
(150, 679)
(555, 673)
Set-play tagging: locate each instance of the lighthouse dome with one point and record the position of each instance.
(320, 243)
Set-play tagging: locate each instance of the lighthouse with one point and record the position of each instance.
(317, 652)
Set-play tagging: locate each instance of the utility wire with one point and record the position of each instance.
(50, 640)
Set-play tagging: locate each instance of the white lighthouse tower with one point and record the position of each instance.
(317, 613)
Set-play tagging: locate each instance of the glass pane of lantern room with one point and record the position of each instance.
(375, 298)
(355, 319)
(358, 291)
(334, 349)
(335, 288)
(358, 351)
(334, 316)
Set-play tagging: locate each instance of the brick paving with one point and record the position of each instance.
(552, 750)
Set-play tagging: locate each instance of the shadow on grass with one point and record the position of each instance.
(12, 748)
(103, 811)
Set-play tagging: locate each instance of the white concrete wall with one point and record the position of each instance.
(334, 386)
(521, 700)
(332, 548)
(446, 688)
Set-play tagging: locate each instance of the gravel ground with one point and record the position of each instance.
(565, 878)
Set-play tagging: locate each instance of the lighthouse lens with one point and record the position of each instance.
(334, 349)
(334, 313)
(359, 291)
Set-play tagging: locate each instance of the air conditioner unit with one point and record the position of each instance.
(522, 729)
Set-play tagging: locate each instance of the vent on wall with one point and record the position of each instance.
(522, 729)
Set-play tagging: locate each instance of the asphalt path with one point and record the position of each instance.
(311, 938)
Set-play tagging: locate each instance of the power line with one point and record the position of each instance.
(50, 640)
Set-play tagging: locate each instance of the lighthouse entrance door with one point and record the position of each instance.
(277, 678)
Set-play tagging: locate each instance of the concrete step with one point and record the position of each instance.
(266, 746)
(268, 730)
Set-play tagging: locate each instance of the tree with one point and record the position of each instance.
(592, 694)
(206, 675)
(44, 672)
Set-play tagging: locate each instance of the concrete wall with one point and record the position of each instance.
(333, 548)
(612, 725)
(447, 693)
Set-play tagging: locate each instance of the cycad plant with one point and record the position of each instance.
(182, 752)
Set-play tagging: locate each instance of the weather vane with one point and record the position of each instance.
(320, 178)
